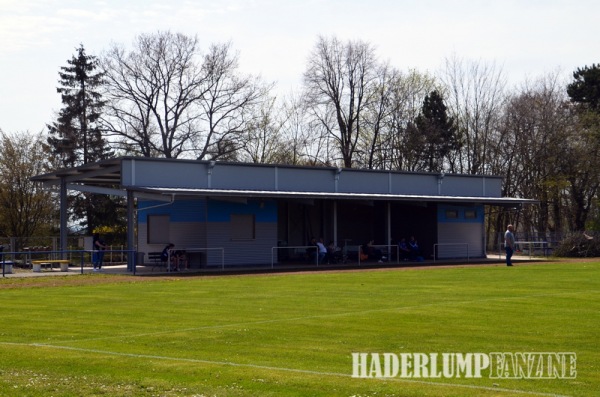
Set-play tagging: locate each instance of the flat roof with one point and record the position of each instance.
(109, 175)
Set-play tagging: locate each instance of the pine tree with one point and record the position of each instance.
(584, 178)
(438, 133)
(75, 138)
(586, 87)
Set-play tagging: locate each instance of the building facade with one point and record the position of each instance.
(230, 214)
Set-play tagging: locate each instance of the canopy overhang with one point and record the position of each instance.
(228, 193)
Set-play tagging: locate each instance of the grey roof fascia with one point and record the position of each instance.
(329, 195)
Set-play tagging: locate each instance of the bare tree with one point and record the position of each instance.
(338, 82)
(166, 99)
(545, 153)
(475, 98)
(377, 111)
(264, 138)
(402, 98)
(302, 141)
(231, 103)
(152, 91)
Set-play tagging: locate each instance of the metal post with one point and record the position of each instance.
(63, 217)
(317, 255)
(131, 253)
(389, 231)
(359, 252)
(335, 229)
(272, 257)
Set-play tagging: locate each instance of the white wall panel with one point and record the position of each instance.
(459, 234)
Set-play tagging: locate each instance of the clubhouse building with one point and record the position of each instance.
(241, 214)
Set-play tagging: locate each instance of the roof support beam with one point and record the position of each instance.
(97, 189)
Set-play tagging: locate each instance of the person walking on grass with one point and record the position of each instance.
(509, 244)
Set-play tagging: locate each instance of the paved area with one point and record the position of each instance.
(121, 269)
(73, 270)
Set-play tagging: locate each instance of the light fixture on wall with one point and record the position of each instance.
(440, 178)
(209, 170)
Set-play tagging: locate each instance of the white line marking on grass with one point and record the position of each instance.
(270, 368)
(322, 316)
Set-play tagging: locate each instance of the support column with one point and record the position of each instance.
(335, 226)
(389, 228)
(131, 255)
(63, 219)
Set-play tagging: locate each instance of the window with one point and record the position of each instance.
(158, 229)
(470, 214)
(451, 214)
(242, 227)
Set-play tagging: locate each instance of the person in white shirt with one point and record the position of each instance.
(509, 244)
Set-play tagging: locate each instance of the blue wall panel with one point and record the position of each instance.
(264, 210)
(179, 211)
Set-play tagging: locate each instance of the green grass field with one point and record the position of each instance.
(293, 334)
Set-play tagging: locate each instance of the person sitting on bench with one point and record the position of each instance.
(167, 253)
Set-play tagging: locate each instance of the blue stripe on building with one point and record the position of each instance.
(263, 210)
(178, 211)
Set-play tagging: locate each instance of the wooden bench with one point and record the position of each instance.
(64, 264)
(155, 259)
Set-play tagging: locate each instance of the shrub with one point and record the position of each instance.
(580, 245)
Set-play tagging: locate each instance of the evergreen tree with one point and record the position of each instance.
(437, 131)
(75, 138)
(586, 87)
(584, 178)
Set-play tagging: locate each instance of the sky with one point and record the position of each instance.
(526, 39)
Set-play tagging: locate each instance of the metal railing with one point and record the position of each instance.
(306, 251)
(435, 251)
(530, 246)
(309, 254)
(25, 258)
(202, 249)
